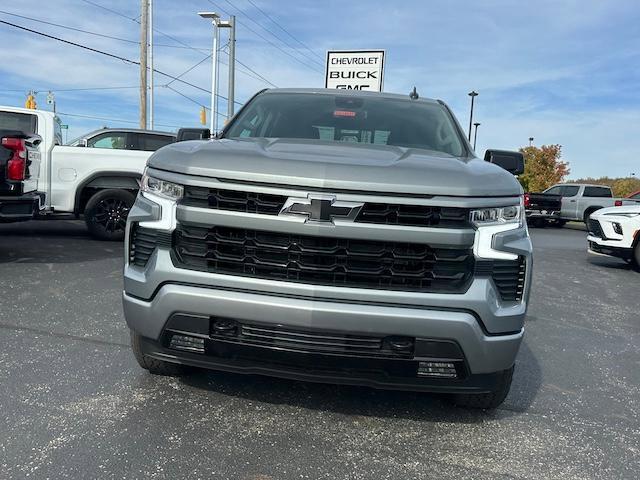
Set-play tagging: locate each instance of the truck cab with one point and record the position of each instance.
(97, 178)
(125, 139)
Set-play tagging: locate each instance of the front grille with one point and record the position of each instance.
(143, 243)
(237, 201)
(378, 213)
(322, 260)
(509, 278)
(313, 341)
(595, 229)
(413, 215)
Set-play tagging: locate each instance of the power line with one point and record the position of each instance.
(284, 29)
(266, 39)
(67, 27)
(117, 57)
(250, 18)
(107, 119)
(138, 22)
(251, 71)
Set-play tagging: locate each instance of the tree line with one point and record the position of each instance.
(543, 168)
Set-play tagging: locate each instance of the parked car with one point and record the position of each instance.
(333, 236)
(615, 232)
(125, 139)
(542, 209)
(99, 182)
(580, 200)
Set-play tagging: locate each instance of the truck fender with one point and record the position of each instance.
(102, 180)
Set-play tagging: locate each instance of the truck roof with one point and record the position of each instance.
(47, 113)
(584, 184)
(350, 93)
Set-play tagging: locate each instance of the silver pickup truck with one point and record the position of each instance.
(333, 236)
(580, 200)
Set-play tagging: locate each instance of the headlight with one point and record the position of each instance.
(498, 215)
(162, 188)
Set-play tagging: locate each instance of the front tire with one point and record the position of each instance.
(106, 213)
(157, 367)
(490, 400)
(636, 256)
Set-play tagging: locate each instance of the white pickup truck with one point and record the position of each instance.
(97, 178)
(580, 200)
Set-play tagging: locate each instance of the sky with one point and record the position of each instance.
(563, 72)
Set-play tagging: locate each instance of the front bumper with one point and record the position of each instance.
(480, 355)
(23, 207)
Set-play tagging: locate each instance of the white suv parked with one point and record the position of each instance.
(615, 232)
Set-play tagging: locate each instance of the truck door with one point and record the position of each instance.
(570, 197)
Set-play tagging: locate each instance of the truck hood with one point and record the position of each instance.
(623, 210)
(328, 165)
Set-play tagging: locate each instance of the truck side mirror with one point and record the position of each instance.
(512, 162)
(193, 134)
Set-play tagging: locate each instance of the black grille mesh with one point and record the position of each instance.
(143, 243)
(316, 341)
(413, 215)
(595, 229)
(508, 275)
(322, 260)
(379, 213)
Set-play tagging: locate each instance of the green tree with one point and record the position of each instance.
(542, 167)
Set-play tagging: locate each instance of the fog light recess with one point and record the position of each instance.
(437, 369)
(187, 343)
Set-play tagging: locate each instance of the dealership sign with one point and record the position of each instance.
(355, 70)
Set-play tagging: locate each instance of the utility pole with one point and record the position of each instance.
(475, 135)
(232, 66)
(473, 94)
(151, 99)
(144, 20)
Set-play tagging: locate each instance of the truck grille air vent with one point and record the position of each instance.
(378, 213)
(323, 261)
(508, 276)
(595, 229)
(144, 242)
(413, 215)
(313, 341)
(237, 201)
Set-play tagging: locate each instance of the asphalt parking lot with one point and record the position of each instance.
(74, 404)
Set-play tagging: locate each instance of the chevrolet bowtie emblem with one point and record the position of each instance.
(318, 208)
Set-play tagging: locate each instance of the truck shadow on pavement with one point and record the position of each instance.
(60, 241)
(369, 402)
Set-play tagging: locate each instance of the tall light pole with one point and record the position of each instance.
(213, 16)
(473, 94)
(217, 24)
(475, 134)
(530, 141)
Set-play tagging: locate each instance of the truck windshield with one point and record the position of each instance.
(23, 122)
(349, 119)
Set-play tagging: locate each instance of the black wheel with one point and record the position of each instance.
(106, 213)
(487, 401)
(636, 256)
(157, 367)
